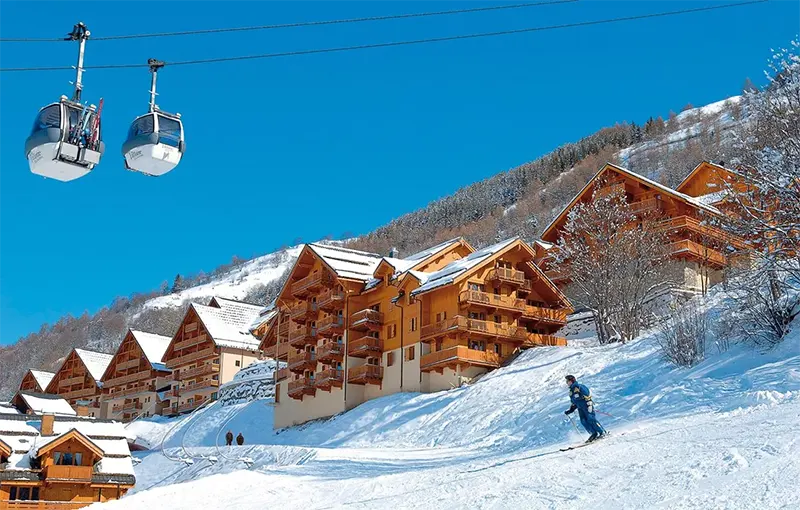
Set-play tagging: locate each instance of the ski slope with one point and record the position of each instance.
(720, 435)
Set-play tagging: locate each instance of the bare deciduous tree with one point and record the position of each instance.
(682, 334)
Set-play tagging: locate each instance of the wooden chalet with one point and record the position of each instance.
(212, 343)
(703, 249)
(136, 377)
(53, 462)
(363, 325)
(36, 381)
(78, 379)
(31, 403)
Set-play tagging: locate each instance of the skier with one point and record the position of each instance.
(581, 399)
(229, 438)
(240, 439)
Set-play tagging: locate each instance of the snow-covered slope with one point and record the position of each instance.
(680, 438)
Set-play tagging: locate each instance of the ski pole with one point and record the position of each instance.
(601, 412)
(573, 424)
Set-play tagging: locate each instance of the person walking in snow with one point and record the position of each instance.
(581, 399)
(229, 438)
(240, 439)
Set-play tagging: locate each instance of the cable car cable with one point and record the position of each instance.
(307, 23)
(402, 43)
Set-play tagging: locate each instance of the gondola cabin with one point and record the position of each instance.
(155, 143)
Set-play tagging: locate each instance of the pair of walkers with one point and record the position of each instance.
(229, 439)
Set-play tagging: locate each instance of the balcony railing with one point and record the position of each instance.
(142, 388)
(364, 347)
(699, 251)
(506, 275)
(281, 374)
(476, 297)
(199, 339)
(188, 358)
(557, 275)
(545, 314)
(331, 299)
(78, 379)
(367, 319)
(188, 406)
(611, 189)
(330, 352)
(131, 406)
(538, 340)
(648, 205)
(461, 323)
(283, 328)
(303, 311)
(365, 374)
(311, 282)
(68, 473)
(300, 387)
(205, 369)
(331, 377)
(126, 379)
(125, 365)
(330, 325)
(85, 392)
(302, 361)
(298, 338)
(697, 226)
(459, 354)
(208, 384)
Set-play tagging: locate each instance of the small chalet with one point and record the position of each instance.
(41, 403)
(136, 377)
(36, 381)
(64, 462)
(212, 343)
(78, 379)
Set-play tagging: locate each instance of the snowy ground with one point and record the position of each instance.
(723, 434)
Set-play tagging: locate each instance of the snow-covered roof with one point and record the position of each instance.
(265, 315)
(453, 270)
(42, 378)
(713, 198)
(544, 244)
(408, 263)
(8, 408)
(96, 362)
(347, 263)
(154, 346)
(229, 325)
(41, 403)
(16, 427)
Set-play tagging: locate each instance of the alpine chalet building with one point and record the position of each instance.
(212, 343)
(36, 381)
(78, 379)
(357, 326)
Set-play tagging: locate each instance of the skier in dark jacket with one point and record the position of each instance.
(581, 399)
(229, 438)
(240, 439)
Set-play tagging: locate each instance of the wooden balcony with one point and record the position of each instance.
(281, 374)
(132, 406)
(283, 328)
(330, 352)
(458, 355)
(506, 275)
(85, 392)
(697, 226)
(698, 252)
(476, 326)
(366, 320)
(541, 314)
(278, 351)
(331, 299)
(127, 379)
(312, 282)
(169, 411)
(133, 363)
(539, 340)
(330, 325)
(69, 381)
(364, 347)
(191, 406)
(525, 286)
(192, 356)
(135, 390)
(301, 387)
(557, 275)
(303, 311)
(205, 369)
(205, 385)
(183, 344)
(646, 206)
(610, 189)
(330, 378)
(54, 473)
(492, 301)
(299, 338)
(365, 374)
(302, 361)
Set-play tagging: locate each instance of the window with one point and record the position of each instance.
(389, 359)
(238, 363)
(476, 286)
(79, 459)
(413, 324)
(49, 117)
(391, 331)
(214, 396)
(24, 493)
(410, 354)
(498, 319)
(215, 361)
(498, 349)
(65, 459)
(376, 307)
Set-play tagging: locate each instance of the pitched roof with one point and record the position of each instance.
(42, 378)
(229, 324)
(700, 166)
(346, 263)
(41, 403)
(153, 346)
(95, 362)
(264, 316)
(453, 270)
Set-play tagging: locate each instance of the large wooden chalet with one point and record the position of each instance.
(212, 343)
(135, 376)
(702, 249)
(355, 323)
(36, 381)
(78, 379)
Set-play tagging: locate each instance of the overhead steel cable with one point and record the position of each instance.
(307, 23)
(403, 43)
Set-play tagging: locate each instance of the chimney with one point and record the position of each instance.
(394, 253)
(47, 424)
(82, 410)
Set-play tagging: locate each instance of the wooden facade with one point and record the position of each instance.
(36, 381)
(353, 326)
(78, 379)
(703, 248)
(135, 376)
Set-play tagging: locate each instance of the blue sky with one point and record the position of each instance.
(273, 145)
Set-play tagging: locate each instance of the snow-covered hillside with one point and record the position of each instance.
(681, 438)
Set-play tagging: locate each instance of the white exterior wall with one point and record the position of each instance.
(289, 411)
(228, 359)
